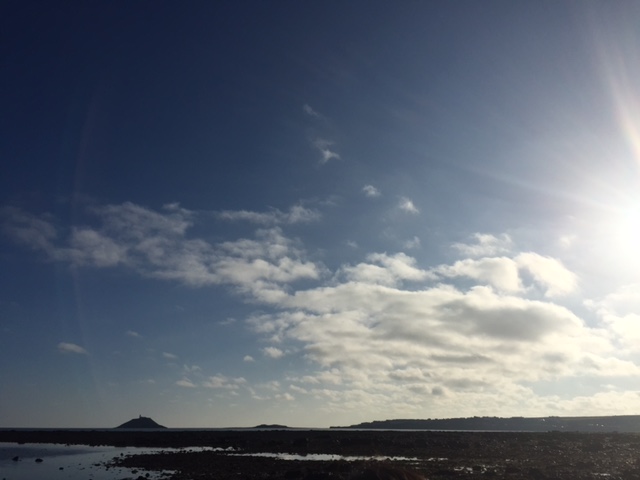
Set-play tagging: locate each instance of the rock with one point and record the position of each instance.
(141, 422)
(39, 460)
(16, 458)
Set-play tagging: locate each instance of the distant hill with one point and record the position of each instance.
(141, 422)
(620, 423)
(264, 426)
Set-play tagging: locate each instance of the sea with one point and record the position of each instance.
(68, 462)
(37, 461)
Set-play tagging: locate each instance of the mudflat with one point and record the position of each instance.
(434, 455)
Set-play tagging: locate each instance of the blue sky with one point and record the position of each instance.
(318, 213)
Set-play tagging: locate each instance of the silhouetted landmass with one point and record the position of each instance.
(140, 422)
(271, 425)
(620, 423)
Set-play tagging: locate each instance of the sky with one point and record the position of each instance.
(318, 213)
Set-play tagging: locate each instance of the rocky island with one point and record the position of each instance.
(141, 423)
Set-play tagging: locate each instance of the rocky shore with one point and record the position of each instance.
(434, 455)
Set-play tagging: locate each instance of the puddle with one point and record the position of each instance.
(323, 457)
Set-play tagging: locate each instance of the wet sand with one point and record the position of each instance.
(436, 455)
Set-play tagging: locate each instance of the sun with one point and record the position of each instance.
(625, 231)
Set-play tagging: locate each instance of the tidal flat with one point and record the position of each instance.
(345, 454)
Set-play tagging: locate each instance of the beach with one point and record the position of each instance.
(343, 454)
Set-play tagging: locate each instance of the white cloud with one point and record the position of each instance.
(65, 347)
(371, 191)
(296, 214)
(366, 338)
(248, 358)
(297, 389)
(310, 111)
(412, 243)
(156, 244)
(272, 352)
(37, 232)
(185, 382)
(131, 333)
(485, 245)
(384, 269)
(220, 381)
(285, 396)
(169, 356)
(406, 205)
(89, 247)
(386, 334)
(548, 272)
(322, 145)
(567, 241)
(619, 311)
(500, 272)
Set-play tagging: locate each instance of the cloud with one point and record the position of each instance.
(89, 247)
(222, 382)
(285, 396)
(296, 214)
(567, 241)
(371, 191)
(500, 272)
(310, 111)
(64, 347)
(549, 273)
(378, 345)
(185, 382)
(619, 311)
(157, 245)
(406, 205)
(412, 243)
(272, 352)
(36, 232)
(384, 269)
(169, 356)
(485, 245)
(322, 145)
(370, 332)
(248, 358)
(191, 369)
(387, 334)
(131, 333)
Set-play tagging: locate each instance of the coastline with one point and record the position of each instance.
(236, 453)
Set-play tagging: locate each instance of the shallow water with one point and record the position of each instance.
(324, 457)
(60, 462)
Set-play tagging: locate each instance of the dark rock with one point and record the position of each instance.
(39, 460)
(16, 458)
(141, 422)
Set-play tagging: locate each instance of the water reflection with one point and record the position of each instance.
(60, 462)
(324, 457)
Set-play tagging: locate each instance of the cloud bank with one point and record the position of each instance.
(385, 334)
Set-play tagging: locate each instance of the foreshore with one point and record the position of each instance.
(435, 455)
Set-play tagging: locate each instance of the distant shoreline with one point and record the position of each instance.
(613, 423)
(602, 424)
